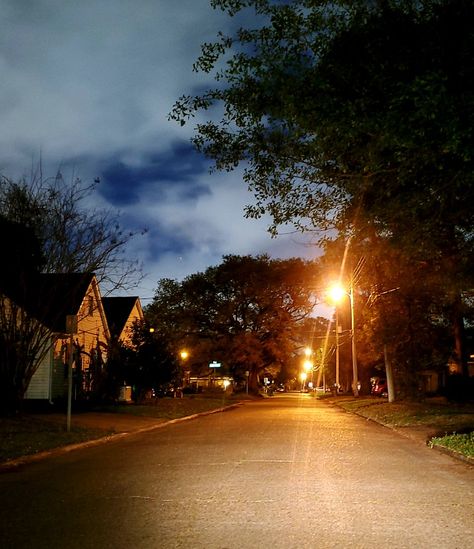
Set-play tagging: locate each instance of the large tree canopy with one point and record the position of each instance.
(247, 312)
(353, 118)
(339, 107)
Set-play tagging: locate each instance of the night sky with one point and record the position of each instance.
(87, 87)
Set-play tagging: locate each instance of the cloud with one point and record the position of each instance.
(87, 86)
(176, 170)
(90, 78)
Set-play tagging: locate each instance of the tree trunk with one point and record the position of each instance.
(389, 374)
(459, 352)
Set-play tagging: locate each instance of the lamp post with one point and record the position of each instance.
(337, 351)
(308, 364)
(355, 375)
(337, 292)
(303, 377)
(184, 355)
(71, 329)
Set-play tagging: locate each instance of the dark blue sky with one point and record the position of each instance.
(87, 86)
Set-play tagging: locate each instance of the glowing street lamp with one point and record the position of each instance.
(308, 364)
(303, 377)
(184, 355)
(337, 293)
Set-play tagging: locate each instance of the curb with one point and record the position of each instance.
(443, 450)
(427, 442)
(15, 463)
(405, 432)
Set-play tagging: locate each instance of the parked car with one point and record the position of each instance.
(379, 387)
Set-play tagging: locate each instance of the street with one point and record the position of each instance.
(284, 472)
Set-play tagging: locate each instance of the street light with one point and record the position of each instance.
(337, 352)
(337, 292)
(308, 364)
(184, 355)
(303, 377)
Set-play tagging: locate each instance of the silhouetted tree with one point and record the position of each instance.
(243, 312)
(47, 228)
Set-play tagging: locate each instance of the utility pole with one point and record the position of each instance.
(71, 328)
(337, 351)
(355, 375)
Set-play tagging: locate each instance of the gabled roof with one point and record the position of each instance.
(51, 297)
(118, 311)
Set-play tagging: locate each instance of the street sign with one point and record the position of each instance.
(214, 364)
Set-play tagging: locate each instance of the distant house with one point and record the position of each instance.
(58, 296)
(121, 314)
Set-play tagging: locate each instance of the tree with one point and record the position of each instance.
(46, 228)
(326, 101)
(152, 364)
(354, 117)
(243, 311)
(73, 236)
(20, 334)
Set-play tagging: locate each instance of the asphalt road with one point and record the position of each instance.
(286, 472)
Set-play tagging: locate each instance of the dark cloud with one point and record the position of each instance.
(87, 87)
(180, 168)
(164, 240)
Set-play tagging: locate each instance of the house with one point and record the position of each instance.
(121, 314)
(50, 301)
(57, 297)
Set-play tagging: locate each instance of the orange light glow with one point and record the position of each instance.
(336, 293)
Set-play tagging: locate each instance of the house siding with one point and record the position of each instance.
(50, 380)
(136, 314)
(40, 384)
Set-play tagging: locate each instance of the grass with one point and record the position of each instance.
(31, 434)
(452, 423)
(23, 436)
(461, 443)
(169, 408)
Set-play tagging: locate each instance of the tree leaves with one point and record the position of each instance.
(244, 311)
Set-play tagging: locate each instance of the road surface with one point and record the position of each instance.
(286, 472)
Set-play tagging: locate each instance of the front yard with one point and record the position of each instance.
(33, 433)
(452, 424)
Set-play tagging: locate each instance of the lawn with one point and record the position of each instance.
(25, 435)
(170, 408)
(453, 423)
(28, 434)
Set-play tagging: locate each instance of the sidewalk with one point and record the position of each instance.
(109, 422)
(114, 426)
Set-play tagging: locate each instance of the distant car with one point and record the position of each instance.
(379, 387)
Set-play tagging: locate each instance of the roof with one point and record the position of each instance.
(118, 311)
(51, 297)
